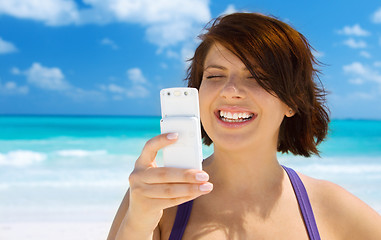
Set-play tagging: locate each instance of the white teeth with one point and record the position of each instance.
(235, 117)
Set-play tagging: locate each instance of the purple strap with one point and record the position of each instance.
(182, 217)
(184, 210)
(304, 204)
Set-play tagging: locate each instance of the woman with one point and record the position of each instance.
(255, 76)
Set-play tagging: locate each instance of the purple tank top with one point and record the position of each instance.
(184, 210)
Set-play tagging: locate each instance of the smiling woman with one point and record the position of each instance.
(227, 91)
(258, 96)
(279, 59)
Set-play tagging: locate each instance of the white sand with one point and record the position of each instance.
(54, 230)
(56, 222)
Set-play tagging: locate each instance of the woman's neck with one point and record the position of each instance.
(256, 169)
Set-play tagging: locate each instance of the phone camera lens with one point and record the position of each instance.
(185, 93)
(168, 93)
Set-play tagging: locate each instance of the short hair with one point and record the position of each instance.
(286, 70)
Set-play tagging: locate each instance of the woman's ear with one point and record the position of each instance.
(290, 112)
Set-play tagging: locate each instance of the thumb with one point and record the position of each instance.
(152, 146)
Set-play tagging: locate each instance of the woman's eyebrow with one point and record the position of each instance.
(215, 66)
(222, 67)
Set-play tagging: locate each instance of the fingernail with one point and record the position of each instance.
(202, 177)
(172, 136)
(206, 187)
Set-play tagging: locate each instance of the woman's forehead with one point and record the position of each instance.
(220, 57)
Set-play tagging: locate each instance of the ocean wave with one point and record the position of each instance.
(21, 158)
(330, 159)
(80, 153)
(343, 169)
(68, 184)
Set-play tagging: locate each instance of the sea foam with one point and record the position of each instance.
(80, 153)
(21, 158)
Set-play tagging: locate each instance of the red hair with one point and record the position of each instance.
(286, 70)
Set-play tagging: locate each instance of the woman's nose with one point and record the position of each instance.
(232, 88)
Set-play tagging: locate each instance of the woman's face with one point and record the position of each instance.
(236, 111)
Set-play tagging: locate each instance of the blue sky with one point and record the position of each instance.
(113, 56)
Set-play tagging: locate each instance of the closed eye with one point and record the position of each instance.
(214, 76)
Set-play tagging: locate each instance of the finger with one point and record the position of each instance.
(173, 175)
(152, 146)
(176, 190)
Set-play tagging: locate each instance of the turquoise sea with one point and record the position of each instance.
(70, 168)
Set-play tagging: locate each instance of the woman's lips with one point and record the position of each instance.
(234, 117)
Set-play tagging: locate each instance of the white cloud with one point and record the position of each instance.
(377, 64)
(169, 34)
(356, 68)
(115, 88)
(51, 12)
(352, 43)
(184, 54)
(119, 92)
(355, 30)
(12, 88)
(362, 73)
(318, 54)
(7, 47)
(164, 66)
(135, 75)
(172, 54)
(138, 84)
(137, 91)
(364, 95)
(356, 81)
(51, 79)
(376, 18)
(109, 42)
(46, 78)
(136, 87)
(187, 52)
(15, 71)
(79, 94)
(159, 11)
(230, 9)
(167, 22)
(365, 54)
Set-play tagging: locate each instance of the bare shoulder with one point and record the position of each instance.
(339, 214)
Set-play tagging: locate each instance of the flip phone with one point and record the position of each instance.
(181, 114)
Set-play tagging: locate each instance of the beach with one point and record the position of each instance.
(60, 230)
(63, 177)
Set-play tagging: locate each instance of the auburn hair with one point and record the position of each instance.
(286, 70)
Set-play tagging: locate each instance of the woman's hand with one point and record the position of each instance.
(153, 188)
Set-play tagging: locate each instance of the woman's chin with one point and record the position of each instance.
(232, 143)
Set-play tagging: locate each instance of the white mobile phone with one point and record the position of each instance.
(180, 113)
